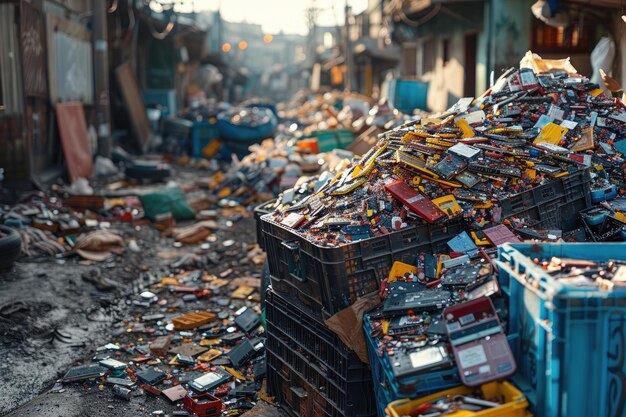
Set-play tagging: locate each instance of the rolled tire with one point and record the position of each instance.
(10, 247)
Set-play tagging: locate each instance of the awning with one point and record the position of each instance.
(416, 6)
(333, 62)
(369, 47)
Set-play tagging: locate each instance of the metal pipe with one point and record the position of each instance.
(101, 77)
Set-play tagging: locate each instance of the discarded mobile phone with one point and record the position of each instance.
(240, 353)
(113, 364)
(209, 380)
(448, 205)
(82, 372)
(450, 166)
(484, 289)
(423, 300)
(478, 342)
(293, 220)
(464, 275)
(429, 358)
(467, 178)
(248, 320)
(119, 381)
(464, 151)
(151, 376)
(185, 360)
(405, 325)
(415, 201)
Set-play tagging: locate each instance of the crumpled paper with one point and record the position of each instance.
(99, 245)
(195, 233)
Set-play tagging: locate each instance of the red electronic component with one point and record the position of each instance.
(203, 405)
(415, 201)
(478, 341)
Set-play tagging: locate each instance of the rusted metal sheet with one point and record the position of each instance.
(33, 42)
(14, 156)
(10, 64)
(70, 63)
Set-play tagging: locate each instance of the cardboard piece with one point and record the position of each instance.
(348, 324)
(74, 139)
(134, 104)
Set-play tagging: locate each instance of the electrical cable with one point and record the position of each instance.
(421, 20)
(114, 6)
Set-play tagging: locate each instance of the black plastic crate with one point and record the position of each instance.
(329, 279)
(308, 335)
(571, 192)
(261, 210)
(559, 214)
(304, 391)
(298, 398)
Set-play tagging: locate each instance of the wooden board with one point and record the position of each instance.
(134, 105)
(74, 139)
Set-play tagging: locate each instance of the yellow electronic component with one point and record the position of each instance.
(416, 180)
(347, 188)
(224, 192)
(466, 129)
(238, 375)
(416, 134)
(209, 355)
(398, 269)
(483, 204)
(414, 163)
(560, 174)
(439, 142)
(620, 216)
(446, 135)
(531, 173)
(500, 130)
(440, 261)
(448, 205)
(478, 241)
(384, 327)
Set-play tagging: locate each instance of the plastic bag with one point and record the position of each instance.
(538, 64)
(171, 200)
(602, 58)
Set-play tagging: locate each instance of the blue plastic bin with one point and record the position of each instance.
(408, 95)
(569, 341)
(386, 386)
(202, 133)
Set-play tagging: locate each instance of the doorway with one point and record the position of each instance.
(469, 88)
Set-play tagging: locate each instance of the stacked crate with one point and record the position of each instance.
(309, 370)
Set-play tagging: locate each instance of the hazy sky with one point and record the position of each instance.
(277, 15)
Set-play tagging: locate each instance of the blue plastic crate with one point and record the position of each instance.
(389, 389)
(569, 341)
(202, 133)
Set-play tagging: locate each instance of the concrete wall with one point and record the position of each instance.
(447, 79)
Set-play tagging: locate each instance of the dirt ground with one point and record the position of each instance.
(58, 317)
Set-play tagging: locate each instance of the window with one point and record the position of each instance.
(409, 60)
(445, 50)
(572, 39)
(328, 40)
(428, 56)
